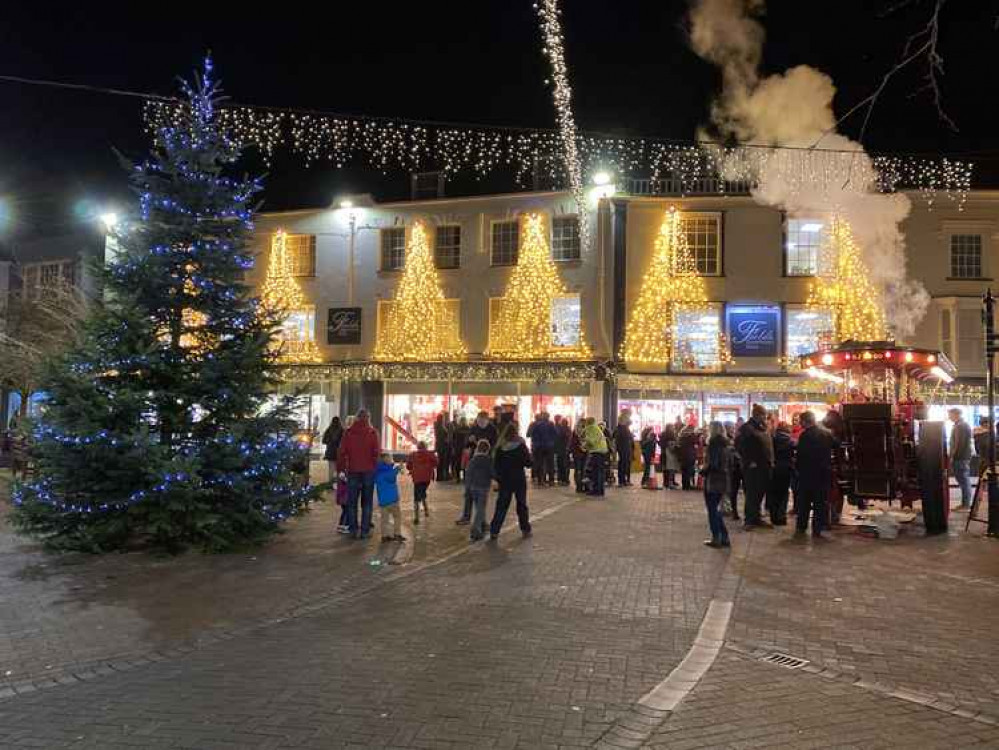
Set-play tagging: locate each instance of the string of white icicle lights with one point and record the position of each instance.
(408, 145)
(554, 50)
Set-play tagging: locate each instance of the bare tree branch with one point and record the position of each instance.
(923, 46)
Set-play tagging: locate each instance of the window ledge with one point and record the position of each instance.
(969, 278)
(447, 268)
(569, 263)
(389, 271)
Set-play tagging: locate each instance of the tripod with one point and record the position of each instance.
(976, 500)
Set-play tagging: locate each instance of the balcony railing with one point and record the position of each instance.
(672, 186)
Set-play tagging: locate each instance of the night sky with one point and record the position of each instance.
(631, 69)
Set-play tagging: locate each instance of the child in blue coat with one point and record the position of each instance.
(387, 487)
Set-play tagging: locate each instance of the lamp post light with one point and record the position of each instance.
(110, 220)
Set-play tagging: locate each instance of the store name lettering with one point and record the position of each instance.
(754, 332)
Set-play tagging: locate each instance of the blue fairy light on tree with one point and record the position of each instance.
(159, 428)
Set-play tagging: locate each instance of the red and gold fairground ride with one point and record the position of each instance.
(889, 449)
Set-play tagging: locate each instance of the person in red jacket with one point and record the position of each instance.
(421, 465)
(358, 457)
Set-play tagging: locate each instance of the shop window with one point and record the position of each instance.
(301, 249)
(565, 238)
(452, 342)
(808, 330)
(704, 242)
(970, 349)
(803, 246)
(298, 330)
(697, 338)
(36, 278)
(504, 243)
(966, 256)
(566, 322)
(393, 243)
(447, 246)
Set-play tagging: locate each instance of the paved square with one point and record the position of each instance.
(319, 642)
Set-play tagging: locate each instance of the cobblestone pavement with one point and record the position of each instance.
(69, 613)
(528, 643)
(549, 642)
(917, 614)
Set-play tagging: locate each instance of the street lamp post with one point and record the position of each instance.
(352, 220)
(988, 315)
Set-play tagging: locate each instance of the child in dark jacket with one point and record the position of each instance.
(478, 482)
(387, 487)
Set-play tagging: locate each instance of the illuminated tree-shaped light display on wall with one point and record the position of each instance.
(845, 289)
(672, 320)
(419, 324)
(282, 296)
(537, 318)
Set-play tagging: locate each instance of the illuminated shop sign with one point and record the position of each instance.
(752, 330)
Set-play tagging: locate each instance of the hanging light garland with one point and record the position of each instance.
(845, 288)
(560, 371)
(523, 329)
(410, 145)
(554, 50)
(420, 324)
(282, 296)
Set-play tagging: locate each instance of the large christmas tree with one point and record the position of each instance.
(419, 326)
(845, 288)
(670, 285)
(524, 328)
(158, 428)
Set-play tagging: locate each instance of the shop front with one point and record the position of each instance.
(411, 407)
(404, 399)
(657, 400)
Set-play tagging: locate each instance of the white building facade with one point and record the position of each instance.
(757, 262)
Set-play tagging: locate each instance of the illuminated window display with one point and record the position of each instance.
(660, 412)
(804, 243)
(808, 330)
(409, 417)
(565, 321)
(697, 333)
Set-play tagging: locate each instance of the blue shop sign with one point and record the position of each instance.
(752, 330)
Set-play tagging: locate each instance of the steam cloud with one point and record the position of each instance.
(794, 108)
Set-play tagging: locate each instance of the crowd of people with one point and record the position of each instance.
(486, 453)
(762, 456)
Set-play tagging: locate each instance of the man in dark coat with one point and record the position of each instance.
(756, 449)
(442, 445)
(484, 428)
(624, 445)
(688, 441)
(459, 442)
(543, 437)
(563, 436)
(814, 463)
(780, 482)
